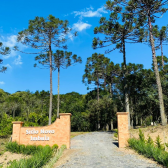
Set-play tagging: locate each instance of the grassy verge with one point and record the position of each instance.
(73, 134)
(116, 133)
(13, 147)
(149, 149)
(37, 160)
(3, 142)
(40, 155)
(54, 159)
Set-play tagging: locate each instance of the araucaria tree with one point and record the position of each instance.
(95, 73)
(60, 59)
(95, 68)
(149, 10)
(46, 34)
(161, 37)
(118, 30)
(3, 51)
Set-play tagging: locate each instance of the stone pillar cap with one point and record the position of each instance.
(122, 113)
(61, 114)
(17, 122)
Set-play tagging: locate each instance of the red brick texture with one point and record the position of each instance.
(123, 131)
(56, 133)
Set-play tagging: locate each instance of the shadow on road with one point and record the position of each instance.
(115, 143)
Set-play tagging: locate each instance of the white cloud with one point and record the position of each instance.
(70, 36)
(7, 65)
(2, 83)
(80, 26)
(89, 12)
(11, 41)
(18, 61)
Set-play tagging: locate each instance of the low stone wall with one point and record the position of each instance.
(56, 133)
(123, 131)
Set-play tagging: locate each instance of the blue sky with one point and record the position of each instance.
(83, 16)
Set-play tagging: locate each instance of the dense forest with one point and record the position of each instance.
(114, 87)
(88, 114)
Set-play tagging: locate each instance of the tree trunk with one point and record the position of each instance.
(162, 54)
(50, 57)
(27, 114)
(13, 113)
(162, 111)
(125, 84)
(98, 89)
(136, 120)
(141, 121)
(98, 124)
(131, 114)
(110, 90)
(112, 125)
(105, 82)
(132, 123)
(107, 127)
(58, 95)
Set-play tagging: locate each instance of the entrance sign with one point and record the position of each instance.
(56, 133)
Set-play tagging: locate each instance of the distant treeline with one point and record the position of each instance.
(97, 109)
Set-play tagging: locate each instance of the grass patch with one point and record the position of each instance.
(37, 160)
(151, 128)
(149, 149)
(116, 133)
(56, 156)
(3, 142)
(73, 134)
(27, 150)
(40, 155)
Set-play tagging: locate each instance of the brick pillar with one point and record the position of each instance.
(123, 131)
(16, 131)
(66, 124)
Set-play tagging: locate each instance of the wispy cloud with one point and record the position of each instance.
(2, 83)
(90, 12)
(18, 61)
(7, 65)
(80, 26)
(11, 41)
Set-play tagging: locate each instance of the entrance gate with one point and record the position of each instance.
(56, 133)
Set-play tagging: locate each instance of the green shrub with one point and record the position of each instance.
(55, 147)
(39, 147)
(41, 155)
(55, 157)
(158, 143)
(38, 159)
(30, 149)
(141, 135)
(148, 120)
(150, 140)
(149, 150)
(5, 126)
(22, 148)
(116, 133)
(15, 148)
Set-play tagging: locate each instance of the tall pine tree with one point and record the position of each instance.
(46, 34)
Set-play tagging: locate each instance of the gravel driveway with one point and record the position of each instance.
(99, 150)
